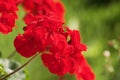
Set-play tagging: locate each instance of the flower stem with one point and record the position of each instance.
(5, 77)
(12, 54)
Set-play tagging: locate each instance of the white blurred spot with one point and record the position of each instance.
(106, 53)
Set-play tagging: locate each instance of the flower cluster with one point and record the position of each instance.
(8, 15)
(44, 7)
(45, 32)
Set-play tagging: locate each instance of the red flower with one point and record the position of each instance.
(57, 60)
(8, 6)
(44, 7)
(49, 22)
(39, 28)
(58, 42)
(56, 66)
(7, 22)
(7, 15)
(19, 2)
(30, 42)
(75, 40)
(60, 11)
(62, 58)
(61, 47)
(25, 44)
(84, 71)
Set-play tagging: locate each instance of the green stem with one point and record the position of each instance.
(12, 54)
(5, 77)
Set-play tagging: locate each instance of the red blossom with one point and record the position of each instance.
(75, 40)
(8, 6)
(61, 47)
(7, 22)
(19, 2)
(44, 7)
(58, 42)
(59, 55)
(49, 22)
(84, 71)
(56, 66)
(25, 44)
(39, 28)
(7, 15)
(57, 60)
(30, 42)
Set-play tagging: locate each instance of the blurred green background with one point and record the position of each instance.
(99, 25)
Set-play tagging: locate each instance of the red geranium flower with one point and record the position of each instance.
(7, 22)
(61, 47)
(7, 15)
(57, 60)
(8, 6)
(56, 66)
(84, 70)
(30, 42)
(75, 40)
(19, 2)
(44, 7)
(49, 22)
